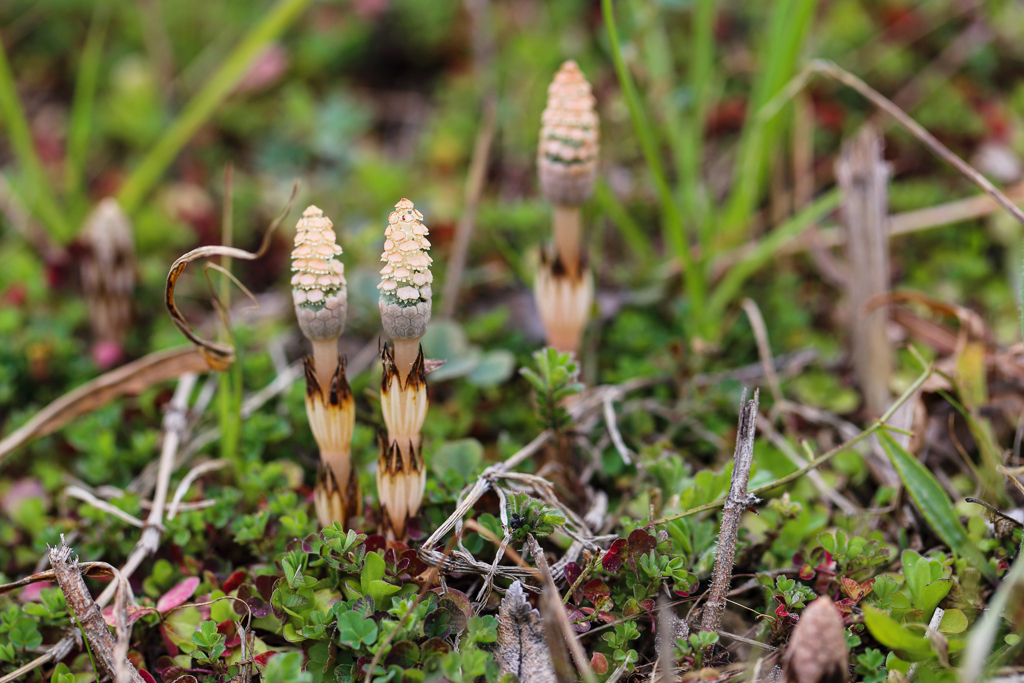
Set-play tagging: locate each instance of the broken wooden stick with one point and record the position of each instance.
(108, 653)
(863, 176)
(736, 502)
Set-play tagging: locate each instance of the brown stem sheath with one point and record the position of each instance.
(736, 502)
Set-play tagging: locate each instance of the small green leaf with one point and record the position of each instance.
(934, 504)
(354, 630)
(953, 621)
(910, 645)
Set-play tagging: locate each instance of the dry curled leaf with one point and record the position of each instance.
(132, 378)
(218, 356)
(522, 649)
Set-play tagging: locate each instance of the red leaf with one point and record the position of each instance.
(851, 588)
(134, 614)
(177, 595)
(595, 589)
(572, 572)
(234, 581)
(230, 632)
(640, 543)
(616, 555)
(172, 649)
(576, 616)
(599, 663)
(146, 676)
(264, 657)
(807, 572)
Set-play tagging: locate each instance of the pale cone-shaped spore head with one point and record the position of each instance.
(318, 282)
(817, 651)
(563, 302)
(401, 481)
(405, 286)
(568, 148)
(108, 269)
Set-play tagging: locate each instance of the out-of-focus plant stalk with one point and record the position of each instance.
(567, 167)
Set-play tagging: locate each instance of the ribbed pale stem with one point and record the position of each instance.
(568, 228)
(325, 361)
(405, 352)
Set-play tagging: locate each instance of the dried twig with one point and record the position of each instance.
(821, 66)
(736, 502)
(821, 459)
(86, 612)
(613, 431)
(174, 425)
(83, 495)
(186, 482)
(554, 610)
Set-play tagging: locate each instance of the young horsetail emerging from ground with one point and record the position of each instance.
(320, 297)
(567, 167)
(405, 304)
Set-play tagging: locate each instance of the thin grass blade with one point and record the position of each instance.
(202, 106)
(80, 119)
(934, 504)
(37, 191)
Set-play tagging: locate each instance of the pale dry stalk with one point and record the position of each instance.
(863, 177)
(174, 425)
(735, 504)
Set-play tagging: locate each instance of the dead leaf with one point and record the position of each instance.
(522, 648)
(219, 356)
(129, 379)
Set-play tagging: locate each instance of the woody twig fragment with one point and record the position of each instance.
(405, 305)
(108, 654)
(737, 501)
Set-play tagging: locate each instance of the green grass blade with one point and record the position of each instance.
(702, 65)
(199, 109)
(81, 119)
(933, 503)
(632, 233)
(38, 191)
(790, 23)
(728, 289)
(977, 655)
(672, 222)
